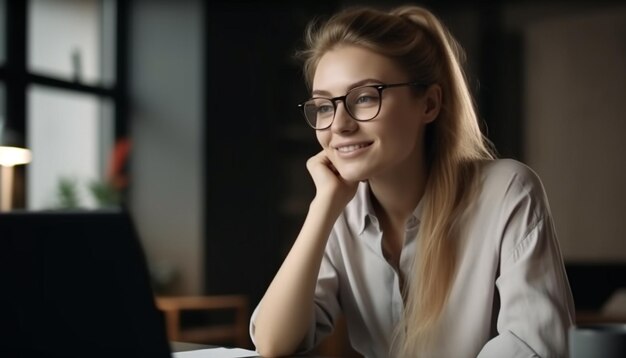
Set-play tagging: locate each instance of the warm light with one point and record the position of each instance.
(10, 156)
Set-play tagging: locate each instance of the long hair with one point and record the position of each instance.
(421, 45)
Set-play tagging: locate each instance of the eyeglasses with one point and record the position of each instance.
(362, 104)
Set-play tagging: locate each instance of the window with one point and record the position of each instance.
(71, 40)
(62, 68)
(69, 134)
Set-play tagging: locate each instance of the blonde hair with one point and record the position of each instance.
(420, 44)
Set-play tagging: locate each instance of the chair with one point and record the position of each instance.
(232, 333)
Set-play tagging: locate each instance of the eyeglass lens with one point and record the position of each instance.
(362, 104)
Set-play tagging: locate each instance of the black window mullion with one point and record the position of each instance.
(15, 68)
(120, 94)
(69, 85)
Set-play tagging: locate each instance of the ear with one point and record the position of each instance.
(432, 103)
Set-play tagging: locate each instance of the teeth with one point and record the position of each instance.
(350, 148)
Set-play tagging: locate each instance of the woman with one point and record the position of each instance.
(428, 245)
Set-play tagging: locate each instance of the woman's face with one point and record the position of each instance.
(387, 145)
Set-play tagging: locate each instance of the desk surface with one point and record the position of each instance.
(185, 347)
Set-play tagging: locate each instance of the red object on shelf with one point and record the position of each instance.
(118, 169)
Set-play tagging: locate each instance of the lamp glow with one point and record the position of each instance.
(11, 156)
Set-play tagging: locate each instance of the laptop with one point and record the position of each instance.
(76, 284)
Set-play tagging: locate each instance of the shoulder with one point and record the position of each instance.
(512, 195)
(507, 172)
(510, 180)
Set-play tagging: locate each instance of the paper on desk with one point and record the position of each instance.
(216, 353)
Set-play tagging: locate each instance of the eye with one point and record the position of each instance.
(324, 109)
(364, 99)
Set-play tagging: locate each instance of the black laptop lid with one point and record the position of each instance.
(75, 284)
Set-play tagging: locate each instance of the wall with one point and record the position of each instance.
(253, 87)
(550, 87)
(575, 125)
(166, 90)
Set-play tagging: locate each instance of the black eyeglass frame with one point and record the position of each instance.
(379, 87)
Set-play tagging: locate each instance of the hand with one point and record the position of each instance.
(329, 183)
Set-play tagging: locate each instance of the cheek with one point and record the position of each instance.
(322, 138)
(405, 134)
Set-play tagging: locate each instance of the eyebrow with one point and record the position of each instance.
(354, 85)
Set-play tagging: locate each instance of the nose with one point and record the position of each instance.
(343, 122)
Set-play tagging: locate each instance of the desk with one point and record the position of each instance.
(186, 347)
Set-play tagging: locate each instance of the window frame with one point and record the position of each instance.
(16, 78)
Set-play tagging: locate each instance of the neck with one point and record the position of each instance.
(396, 194)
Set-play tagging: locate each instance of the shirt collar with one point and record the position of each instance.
(365, 215)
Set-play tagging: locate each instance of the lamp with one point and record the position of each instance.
(12, 153)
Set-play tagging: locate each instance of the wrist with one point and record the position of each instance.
(327, 206)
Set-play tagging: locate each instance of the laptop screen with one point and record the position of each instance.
(76, 284)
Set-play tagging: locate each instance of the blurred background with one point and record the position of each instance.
(184, 112)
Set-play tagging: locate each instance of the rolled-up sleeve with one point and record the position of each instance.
(536, 306)
(326, 307)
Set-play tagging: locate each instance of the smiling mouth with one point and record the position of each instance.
(352, 148)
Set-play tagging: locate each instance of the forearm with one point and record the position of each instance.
(285, 312)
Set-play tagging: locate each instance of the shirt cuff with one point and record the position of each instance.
(509, 345)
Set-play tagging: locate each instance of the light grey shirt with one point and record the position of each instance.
(510, 296)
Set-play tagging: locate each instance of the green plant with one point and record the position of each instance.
(68, 193)
(104, 193)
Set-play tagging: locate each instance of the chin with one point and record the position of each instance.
(354, 174)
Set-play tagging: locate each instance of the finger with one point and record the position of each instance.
(331, 166)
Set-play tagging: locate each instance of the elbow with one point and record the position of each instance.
(269, 353)
(272, 348)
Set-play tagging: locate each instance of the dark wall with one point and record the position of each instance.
(252, 85)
